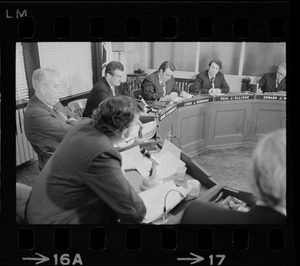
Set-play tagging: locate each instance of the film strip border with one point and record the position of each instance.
(173, 21)
(71, 245)
(169, 21)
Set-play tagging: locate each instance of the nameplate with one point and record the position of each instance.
(271, 97)
(167, 113)
(234, 98)
(193, 102)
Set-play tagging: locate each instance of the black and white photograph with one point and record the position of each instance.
(151, 133)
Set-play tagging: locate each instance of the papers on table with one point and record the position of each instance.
(154, 199)
(134, 159)
(168, 157)
(148, 132)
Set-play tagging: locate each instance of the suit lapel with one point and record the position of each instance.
(109, 91)
(157, 83)
(46, 107)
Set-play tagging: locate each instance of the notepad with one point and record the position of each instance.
(154, 198)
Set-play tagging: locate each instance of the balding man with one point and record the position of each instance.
(46, 120)
(273, 82)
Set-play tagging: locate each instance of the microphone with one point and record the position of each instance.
(149, 156)
(165, 200)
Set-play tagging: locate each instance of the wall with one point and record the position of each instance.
(261, 58)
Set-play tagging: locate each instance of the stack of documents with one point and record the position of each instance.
(148, 132)
(168, 157)
(154, 199)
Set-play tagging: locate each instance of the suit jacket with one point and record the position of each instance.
(268, 83)
(200, 212)
(152, 90)
(202, 83)
(44, 128)
(82, 183)
(101, 91)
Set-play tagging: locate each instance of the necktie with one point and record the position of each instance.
(113, 91)
(164, 89)
(59, 112)
(277, 83)
(212, 81)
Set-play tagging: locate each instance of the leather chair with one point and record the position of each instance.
(22, 195)
(43, 155)
(136, 93)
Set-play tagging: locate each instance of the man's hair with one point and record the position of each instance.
(269, 169)
(282, 69)
(216, 61)
(40, 75)
(112, 66)
(165, 65)
(114, 114)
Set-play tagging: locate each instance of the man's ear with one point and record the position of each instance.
(125, 133)
(43, 89)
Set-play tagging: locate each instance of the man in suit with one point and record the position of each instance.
(269, 189)
(83, 182)
(272, 82)
(107, 86)
(46, 120)
(160, 84)
(210, 81)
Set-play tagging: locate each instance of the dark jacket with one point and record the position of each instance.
(268, 83)
(152, 89)
(101, 91)
(202, 83)
(200, 212)
(82, 183)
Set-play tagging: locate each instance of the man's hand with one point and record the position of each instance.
(214, 91)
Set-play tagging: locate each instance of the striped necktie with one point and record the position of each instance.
(59, 113)
(164, 89)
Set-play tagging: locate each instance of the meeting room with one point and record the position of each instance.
(150, 132)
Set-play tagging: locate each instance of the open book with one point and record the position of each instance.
(154, 199)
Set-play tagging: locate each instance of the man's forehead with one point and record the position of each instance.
(214, 65)
(168, 71)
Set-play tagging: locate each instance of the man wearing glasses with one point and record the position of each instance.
(273, 82)
(107, 86)
(210, 81)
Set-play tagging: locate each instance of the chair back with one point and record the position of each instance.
(136, 93)
(43, 155)
(22, 195)
(77, 106)
(140, 80)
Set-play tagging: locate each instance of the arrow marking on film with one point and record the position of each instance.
(41, 258)
(196, 258)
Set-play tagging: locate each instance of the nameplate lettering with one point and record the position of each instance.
(193, 102)
(233, 98)
(271, 97)
(167, 113)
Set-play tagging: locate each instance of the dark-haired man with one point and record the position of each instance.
(160, 83)
(210, 81)
(107, 86)
(83, 183)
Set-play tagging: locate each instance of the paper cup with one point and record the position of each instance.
(193, 187)
(180, 172)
